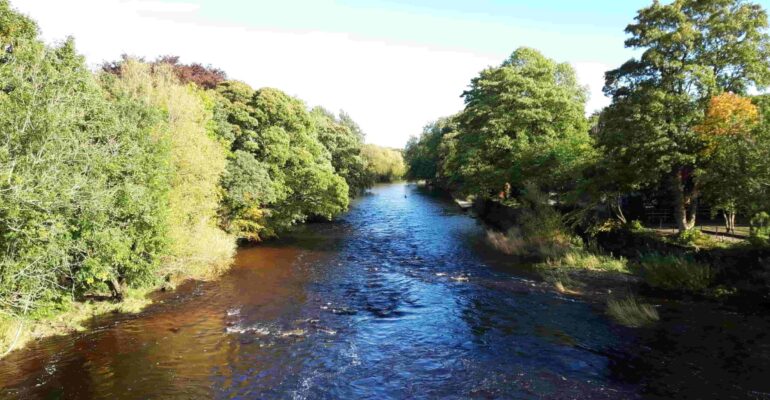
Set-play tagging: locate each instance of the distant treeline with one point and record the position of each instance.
(145, 171)
(683, 124)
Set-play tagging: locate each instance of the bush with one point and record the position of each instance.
(635, 226)
(690, 236)
(629, 312)
(674, 272)
(540, 231)
(760, 226)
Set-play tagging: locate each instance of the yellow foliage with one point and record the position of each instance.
(728, 114)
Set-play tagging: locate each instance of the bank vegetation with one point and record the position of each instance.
(686, 130)
(145, 173)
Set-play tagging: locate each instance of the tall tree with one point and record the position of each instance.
(280, 173)
(736, 156)
(692, 51)
(523, 121)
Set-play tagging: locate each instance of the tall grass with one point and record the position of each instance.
(585, 260)
(673, 272)
(629, 312)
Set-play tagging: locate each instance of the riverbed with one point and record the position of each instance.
(400, 298)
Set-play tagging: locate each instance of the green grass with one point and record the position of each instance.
(673, 272)
(629, 312)
(560, 271)
(585, 260)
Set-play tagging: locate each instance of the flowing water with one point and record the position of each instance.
(401, 298)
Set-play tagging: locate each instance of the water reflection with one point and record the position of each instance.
(399, 299)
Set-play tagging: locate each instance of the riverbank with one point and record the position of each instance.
(74, 315)
(401, 296)
(16, 333)
(624, 264)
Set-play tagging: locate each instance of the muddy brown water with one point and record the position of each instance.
(400, 298)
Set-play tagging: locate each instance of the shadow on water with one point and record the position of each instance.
(400, 298)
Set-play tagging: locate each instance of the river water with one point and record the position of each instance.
(400, 298)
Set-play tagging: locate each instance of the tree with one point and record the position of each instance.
(205, 77)
(693, 50)
(288, 174)
(343, 141)
(383, 164)
(83, 192)
(424, 156)
(196, 161)
(523, 121)
(735, 154)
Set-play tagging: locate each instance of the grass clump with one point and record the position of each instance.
(585, 260)
(631, 313)
(673, 272)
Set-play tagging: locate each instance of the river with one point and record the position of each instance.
(400, 298)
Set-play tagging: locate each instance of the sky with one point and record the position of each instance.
(393, 65)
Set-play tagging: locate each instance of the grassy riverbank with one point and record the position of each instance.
(15, 333)
(623, 264)
(73, 315)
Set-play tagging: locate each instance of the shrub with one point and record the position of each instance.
(690, 236)
(635, 225)
(539, 231)
(760, 225)
(629, 312)
(674, 272)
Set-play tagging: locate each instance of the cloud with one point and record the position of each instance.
(391, 89)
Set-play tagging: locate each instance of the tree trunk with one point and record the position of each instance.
(731, 218)
(116, 287)
(617, 209)
(685, 200)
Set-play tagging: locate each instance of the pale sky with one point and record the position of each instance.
(393, 65)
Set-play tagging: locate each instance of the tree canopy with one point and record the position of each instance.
(692, 50)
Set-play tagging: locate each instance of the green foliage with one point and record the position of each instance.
(761, 223)
(523, 121)
(83, 197)
(196, 159)
(103, 180)
(343, 139)
(636, 226)
(689, 236)
(383, 164)
(288, 174)
(673, 272)
(629, 312)
(539, 231)
(425, 156)
(692, 50)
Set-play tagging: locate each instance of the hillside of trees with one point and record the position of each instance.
(144, 172)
